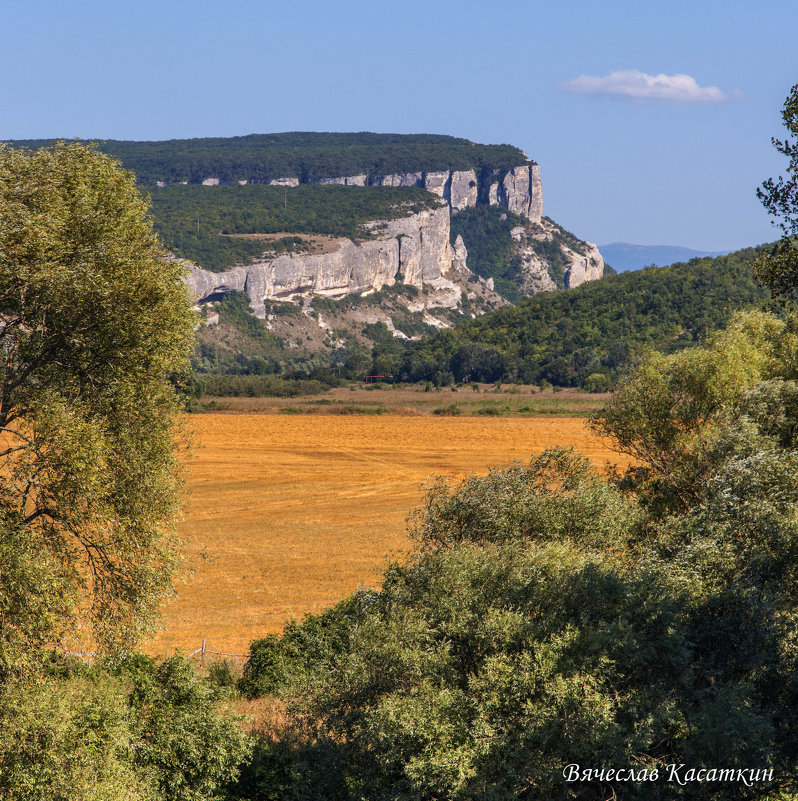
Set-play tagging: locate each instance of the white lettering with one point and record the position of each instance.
(673, 773)
(571, 772)
(741, 777)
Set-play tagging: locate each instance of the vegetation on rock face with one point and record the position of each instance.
(486, 235)
(305, 156)
(204, 223)
(95, 328)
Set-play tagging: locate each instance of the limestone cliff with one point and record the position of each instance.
(546, 251)
(517, 189)
(414, 250)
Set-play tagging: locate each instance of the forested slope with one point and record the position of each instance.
(587, 336)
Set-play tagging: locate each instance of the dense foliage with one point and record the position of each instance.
(204, 223)
(95, 329)
(306, 156)
(123, 730)
(587, 336)
(779, 268)
(550, 617)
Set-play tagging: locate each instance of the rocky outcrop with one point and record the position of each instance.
(545, 250)
(414, 250)
(520, 192)
(464, 191)
(587, 266)
(517, 189)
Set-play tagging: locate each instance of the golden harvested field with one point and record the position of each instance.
(295, 512)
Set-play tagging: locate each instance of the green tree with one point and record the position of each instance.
(95, 329)
(779, 269)
(680, 416)
(95, 326)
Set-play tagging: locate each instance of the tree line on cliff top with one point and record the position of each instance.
(303, 155)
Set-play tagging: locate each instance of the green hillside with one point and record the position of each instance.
(586, 336)
(303, 155)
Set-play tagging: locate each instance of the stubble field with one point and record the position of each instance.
(290, 513)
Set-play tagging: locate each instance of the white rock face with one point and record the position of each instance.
(584, 268)
(210, 182)
(519, 191)
(414, 250)
(399, 179)
(284, 182)
(464, 190)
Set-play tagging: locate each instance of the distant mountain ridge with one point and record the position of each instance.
(624, 256)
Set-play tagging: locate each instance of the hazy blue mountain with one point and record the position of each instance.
(624, 256)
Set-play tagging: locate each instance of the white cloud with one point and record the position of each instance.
(636, 85)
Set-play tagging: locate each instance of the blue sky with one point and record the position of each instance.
(624, 157)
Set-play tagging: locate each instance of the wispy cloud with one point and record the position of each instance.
(636, 85)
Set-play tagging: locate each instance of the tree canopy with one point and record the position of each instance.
(95, 326)
(779, 268)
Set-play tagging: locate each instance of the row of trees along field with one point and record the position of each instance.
(588, 336)
(548, 617)
(302, 155)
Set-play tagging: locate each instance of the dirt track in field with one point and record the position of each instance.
(295, 512)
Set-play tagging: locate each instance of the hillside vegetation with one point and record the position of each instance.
(303, 155)
(492, 253)
(587, 336)
(204, 223)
